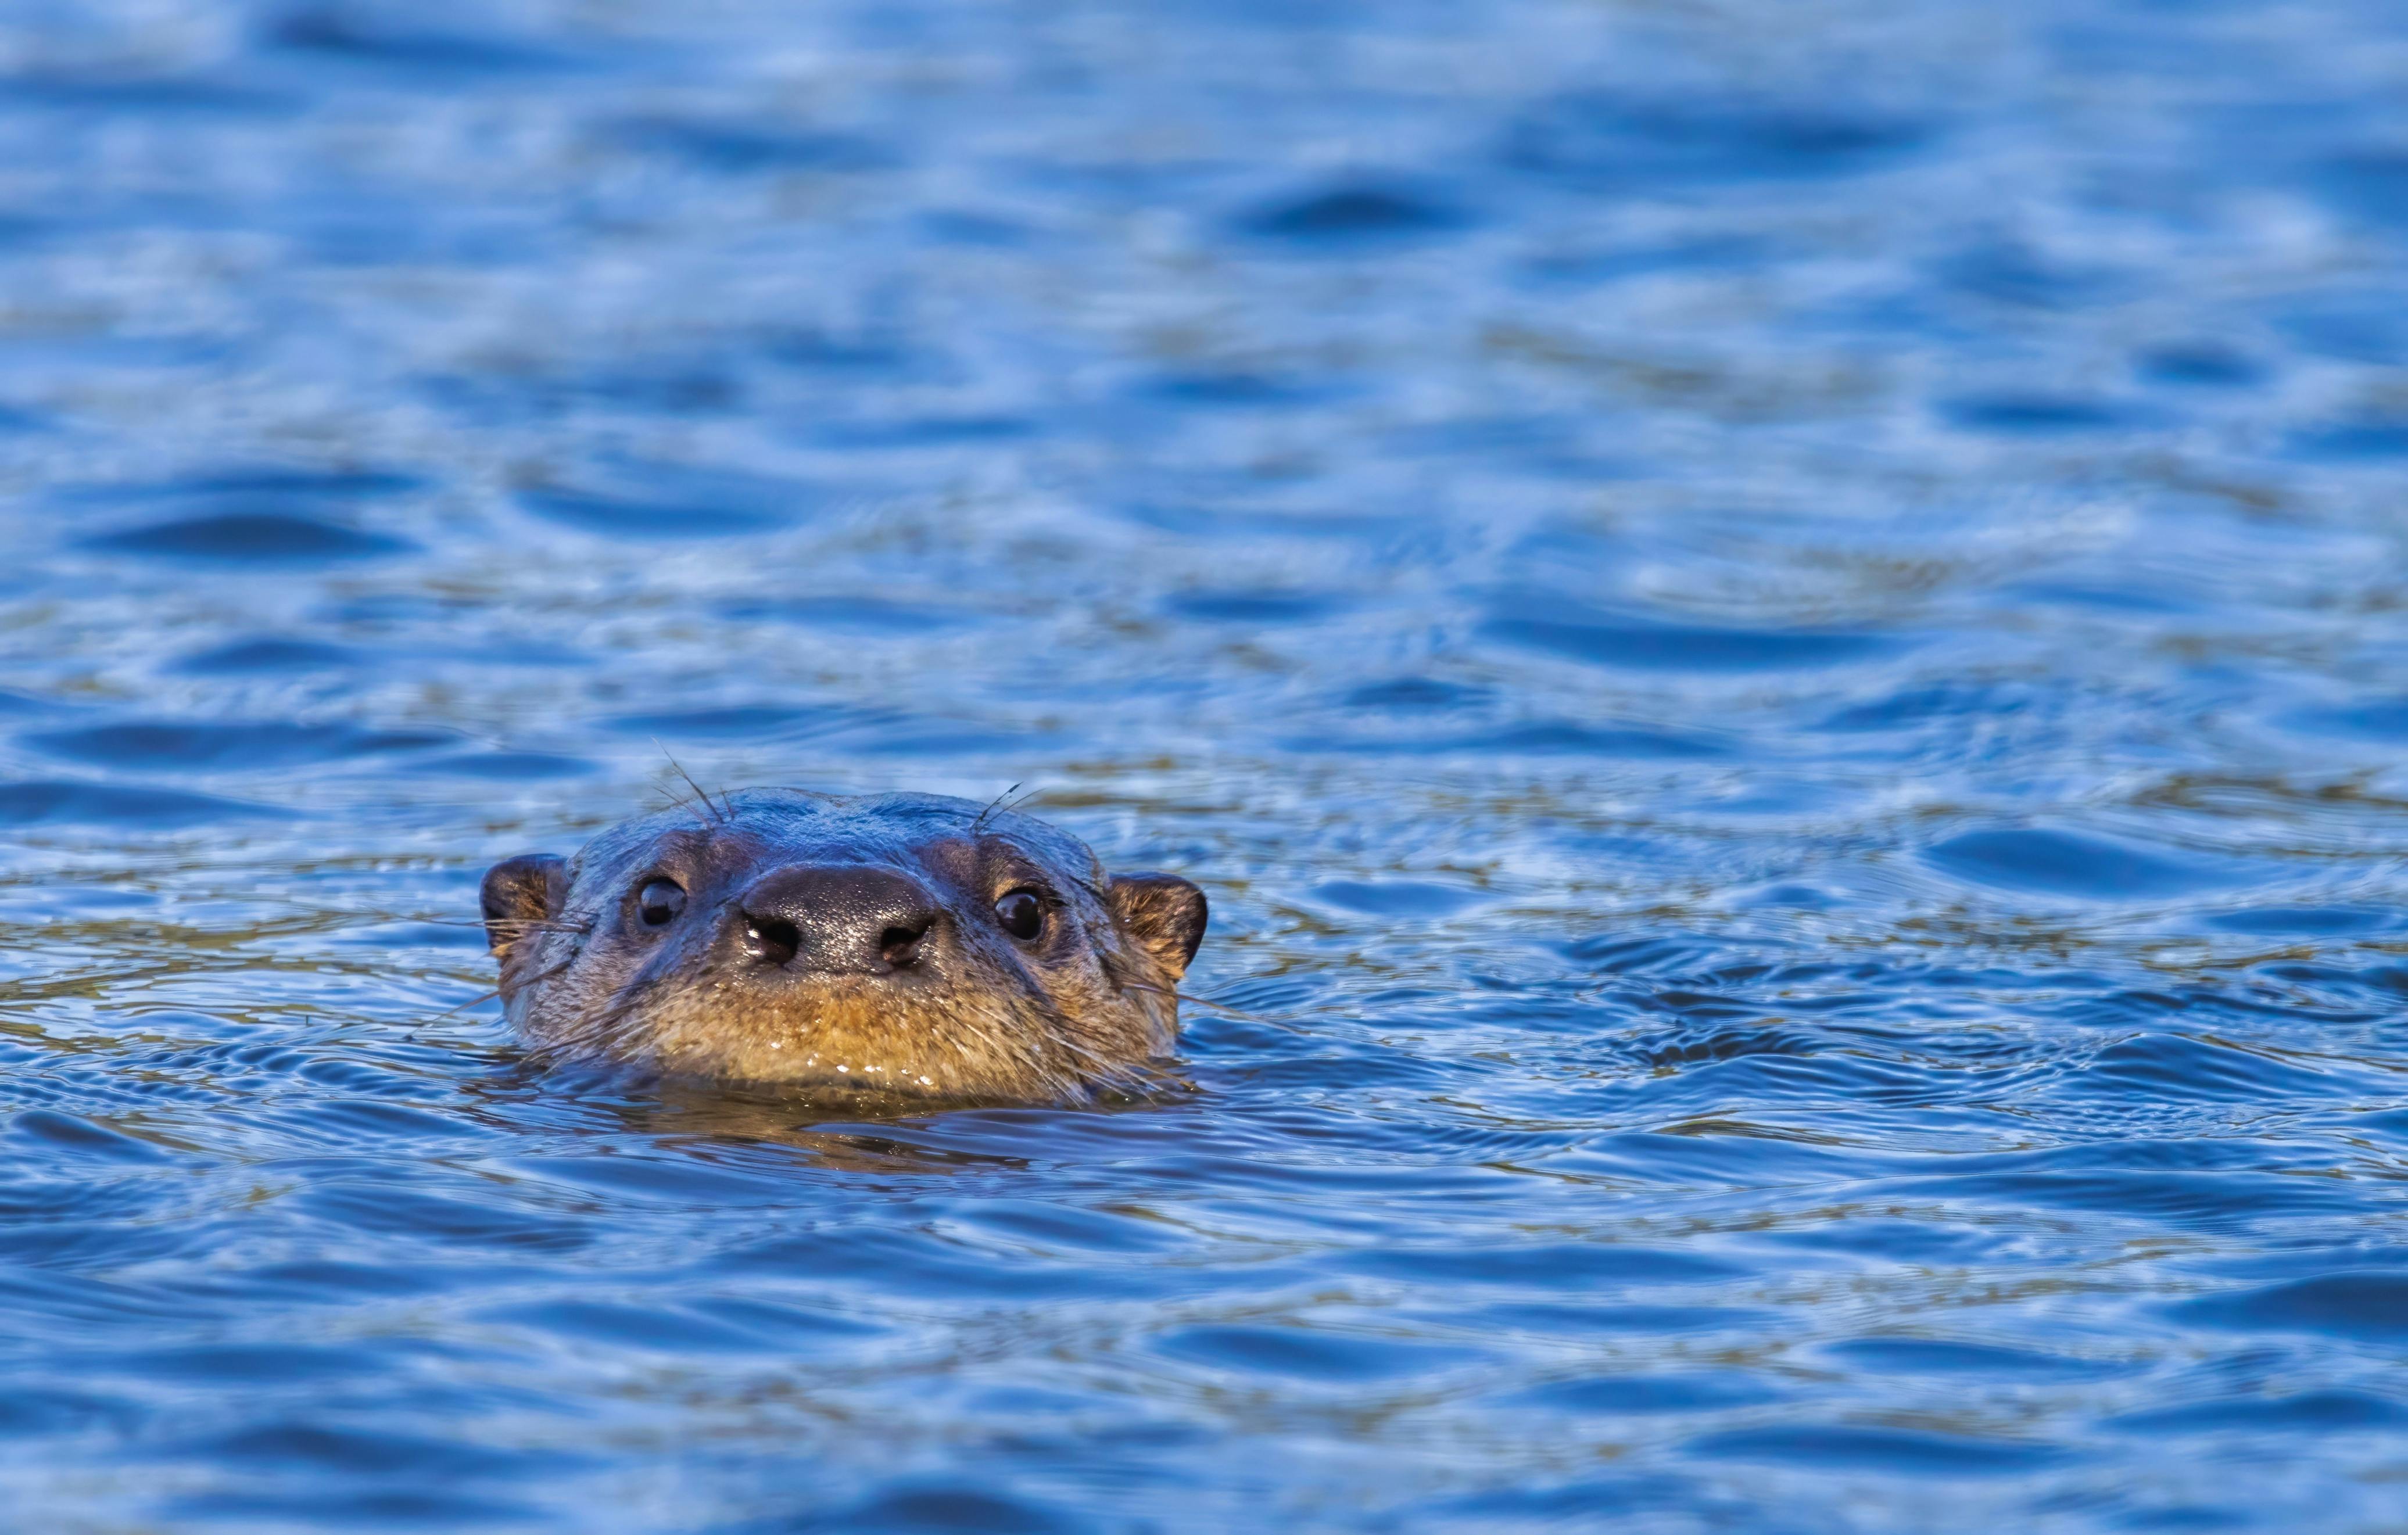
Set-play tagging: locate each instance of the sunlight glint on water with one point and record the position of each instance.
(1776, 631)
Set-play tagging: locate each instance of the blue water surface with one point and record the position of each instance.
(1779, 628)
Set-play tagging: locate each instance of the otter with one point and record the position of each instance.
(910, 946)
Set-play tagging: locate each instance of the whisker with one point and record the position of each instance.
(600, 1029)
(478, 1000)
(1208, 1002)
(714, 810)
(1102, 1071)
(528, 925)
(991, 807)
(525, 924)
(483, 998)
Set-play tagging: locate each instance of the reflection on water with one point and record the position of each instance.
(1775, 629)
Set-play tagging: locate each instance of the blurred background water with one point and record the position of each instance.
(1775, 625)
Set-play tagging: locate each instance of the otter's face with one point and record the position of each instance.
(908, 945)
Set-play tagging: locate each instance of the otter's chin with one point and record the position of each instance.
(852, 1035)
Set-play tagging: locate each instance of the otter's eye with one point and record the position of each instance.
(660, 901)
(1022, 914)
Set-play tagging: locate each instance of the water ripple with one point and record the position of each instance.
(1774, 635)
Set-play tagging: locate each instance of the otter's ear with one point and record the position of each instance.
(1164, 914)
(527, 888)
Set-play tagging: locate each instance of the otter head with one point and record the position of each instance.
(907, 945)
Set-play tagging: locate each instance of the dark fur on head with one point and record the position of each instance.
(775, 966)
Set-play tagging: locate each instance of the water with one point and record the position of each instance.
(1776, 628)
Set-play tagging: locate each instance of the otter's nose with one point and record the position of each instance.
(836, 917)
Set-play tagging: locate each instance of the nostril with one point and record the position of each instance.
(772, 941)
(900, 946)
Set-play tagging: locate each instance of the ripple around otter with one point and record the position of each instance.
(1775, 629)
